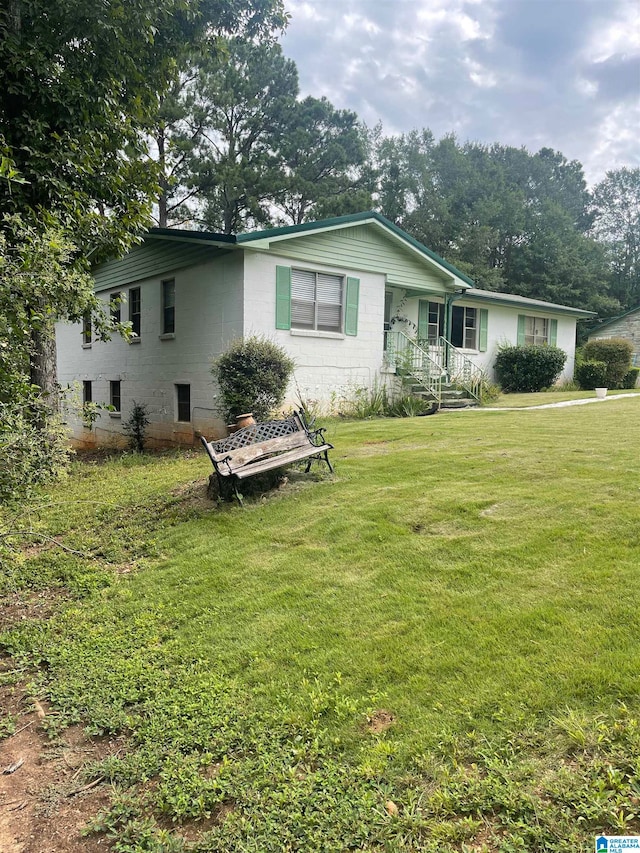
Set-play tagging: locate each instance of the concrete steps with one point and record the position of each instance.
(452, 398)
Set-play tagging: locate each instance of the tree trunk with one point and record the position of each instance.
(162, 159)
(44, 372)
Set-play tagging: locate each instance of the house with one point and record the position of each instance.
(625, 326)
(354, 300)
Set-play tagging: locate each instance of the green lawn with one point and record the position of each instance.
(542, 398)
(437, 649)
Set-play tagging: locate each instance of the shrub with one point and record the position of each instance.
(252, 376)
(592, 374)
(615, 353)
(136, 426)
(521, 369)
(630, 379)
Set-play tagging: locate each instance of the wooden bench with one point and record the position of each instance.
(264, 447)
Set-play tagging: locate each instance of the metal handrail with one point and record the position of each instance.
(460, 370)
(410, 359)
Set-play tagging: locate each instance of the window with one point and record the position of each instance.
(114, 306)
(316, 301)
(135, 306)
(464, 327)
(183, 395)
(86, 330)
(435, 324)
(87, 391)
(536, 331)
(168, 307)
(388, 305)
(114, 395)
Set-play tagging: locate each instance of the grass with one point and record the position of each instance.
(521, 401)
(437, 649)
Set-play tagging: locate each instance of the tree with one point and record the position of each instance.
(324, 155)
(80, 85)
(235, 111)
(617, 226)
(513, 221)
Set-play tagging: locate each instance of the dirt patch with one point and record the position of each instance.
(380, 721)
(47, 801)
(17, 607)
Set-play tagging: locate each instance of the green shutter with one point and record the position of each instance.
(521, 323)
(351, 311)
(283, 297)
(423, 320)
(553, 333)
(484, 323)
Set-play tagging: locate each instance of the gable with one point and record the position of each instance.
(367, 249)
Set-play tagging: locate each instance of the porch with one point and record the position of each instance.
(434, 369)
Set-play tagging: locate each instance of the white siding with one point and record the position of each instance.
(208, 317)
(327, 366)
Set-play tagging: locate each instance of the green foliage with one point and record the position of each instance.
(75, 125)
(528, 368)
(615, 353)
(136, 425)
(512, 220)
(237, 143)
(617, 226)
(33, 445)
(362, 403)
(252, 376)
(591, 374)
(631, 377)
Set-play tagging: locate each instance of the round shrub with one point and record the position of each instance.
(616, 354)
(252, 376)
(592, 374)
(522, 369)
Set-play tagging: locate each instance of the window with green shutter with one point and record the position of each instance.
(316, 301)
(536, 331)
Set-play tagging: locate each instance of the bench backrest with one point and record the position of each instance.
(227, 458)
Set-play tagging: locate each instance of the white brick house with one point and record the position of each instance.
(342, 296)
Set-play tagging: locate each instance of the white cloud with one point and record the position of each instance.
(522, 72)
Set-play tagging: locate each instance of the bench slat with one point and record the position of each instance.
(280, 460)
(234, 459)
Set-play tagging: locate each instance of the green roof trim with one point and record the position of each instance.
(614, 319)
(511, 300)
(187, 236)
(352, 219)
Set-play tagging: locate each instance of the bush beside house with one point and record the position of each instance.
(524, 369)
(252, 376)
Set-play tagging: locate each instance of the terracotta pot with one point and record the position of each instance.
(245, 420)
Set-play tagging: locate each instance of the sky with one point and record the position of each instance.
(562, 74)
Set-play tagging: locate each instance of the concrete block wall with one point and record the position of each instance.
(208, 317)
(329, 366)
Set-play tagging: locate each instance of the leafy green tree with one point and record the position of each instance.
(80, 85)
(324, 157)
(235, 113)
(617, 226)
(512, 220)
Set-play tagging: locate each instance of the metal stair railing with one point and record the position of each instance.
(409, 359)
(460, 370)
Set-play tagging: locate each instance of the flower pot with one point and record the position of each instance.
(601, 393)
(245, 420)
